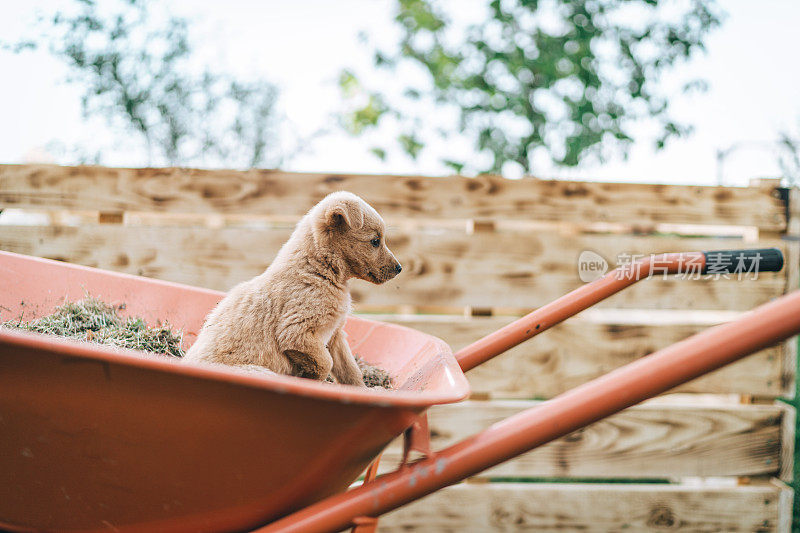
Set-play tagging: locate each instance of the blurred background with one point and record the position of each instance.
(691, 92)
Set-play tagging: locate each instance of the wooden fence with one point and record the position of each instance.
(476, 252)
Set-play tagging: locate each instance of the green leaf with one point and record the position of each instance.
(410, 145)
(348, 83)
(380, 153)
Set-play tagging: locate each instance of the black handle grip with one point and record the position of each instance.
(742, 261)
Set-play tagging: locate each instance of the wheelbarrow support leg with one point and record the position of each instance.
(575, 409)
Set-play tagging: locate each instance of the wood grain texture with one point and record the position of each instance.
(601, 508)
(788, 444)
(577, 351)
(276, 192)
(216, 259)
(440, 268)
(648, 441)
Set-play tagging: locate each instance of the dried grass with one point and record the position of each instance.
(374, 376)
(91, 320)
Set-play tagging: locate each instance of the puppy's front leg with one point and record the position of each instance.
(345, 369)
(309, 357)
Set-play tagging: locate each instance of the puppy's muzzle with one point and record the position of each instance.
(386, 273)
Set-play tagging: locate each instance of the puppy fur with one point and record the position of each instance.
(289, 319)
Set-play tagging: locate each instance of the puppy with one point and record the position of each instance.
(289, 319)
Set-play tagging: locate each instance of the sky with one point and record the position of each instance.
(751, 67)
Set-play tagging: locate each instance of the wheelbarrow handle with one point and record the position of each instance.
(740, 261)
(692, 263)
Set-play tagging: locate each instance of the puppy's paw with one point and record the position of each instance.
(304, 366)
(356, 380)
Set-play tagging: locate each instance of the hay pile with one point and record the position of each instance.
(92, 320)
(374, 376)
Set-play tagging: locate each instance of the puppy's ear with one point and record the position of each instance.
(344, 212)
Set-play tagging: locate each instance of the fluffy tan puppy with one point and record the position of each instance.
(289, 319)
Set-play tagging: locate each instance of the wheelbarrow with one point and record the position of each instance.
(95, 439)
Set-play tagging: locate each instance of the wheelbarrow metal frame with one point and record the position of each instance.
(572, 410)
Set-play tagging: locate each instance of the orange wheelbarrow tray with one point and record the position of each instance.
(94, 439)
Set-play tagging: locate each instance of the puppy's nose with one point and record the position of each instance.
(397, 268)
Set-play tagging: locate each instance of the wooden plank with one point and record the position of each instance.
(658, 440)
(276, 192)
(785, 511)
(513, 269)
(788, 443)
(445, 268)
(557, 507)
(216, 259)
(578, 350)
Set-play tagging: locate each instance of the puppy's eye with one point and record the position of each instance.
(375, 242)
